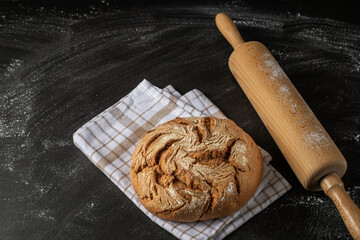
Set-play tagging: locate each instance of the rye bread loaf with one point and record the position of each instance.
(195, 168)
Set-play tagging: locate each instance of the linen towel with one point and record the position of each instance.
(109, 140)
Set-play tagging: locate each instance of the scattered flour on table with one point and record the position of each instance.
(44, 215)
(47, 143)
(13, 65)
(9, 165)
(305, 200)
(310, 200)
(353, 191)
(357, 138)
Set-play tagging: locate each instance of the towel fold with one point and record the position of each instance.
(109, 140)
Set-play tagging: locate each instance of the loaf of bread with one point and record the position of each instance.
(191, 169)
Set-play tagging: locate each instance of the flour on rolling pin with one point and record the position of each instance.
(312, 155)
(273, 69)
(312, 138)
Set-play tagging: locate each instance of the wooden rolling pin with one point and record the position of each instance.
(305, 144)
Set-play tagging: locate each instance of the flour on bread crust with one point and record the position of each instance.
(191, 169)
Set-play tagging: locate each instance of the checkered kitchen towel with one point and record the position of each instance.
(109, 139)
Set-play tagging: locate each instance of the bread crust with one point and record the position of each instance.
(195, 168)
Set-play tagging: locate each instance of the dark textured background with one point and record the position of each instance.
(62, 65)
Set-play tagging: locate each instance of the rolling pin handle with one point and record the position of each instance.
(350, 213)
(228, 29)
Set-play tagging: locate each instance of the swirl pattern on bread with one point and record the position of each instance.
(195, 168)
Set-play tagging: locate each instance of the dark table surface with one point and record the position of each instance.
(62, 65)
